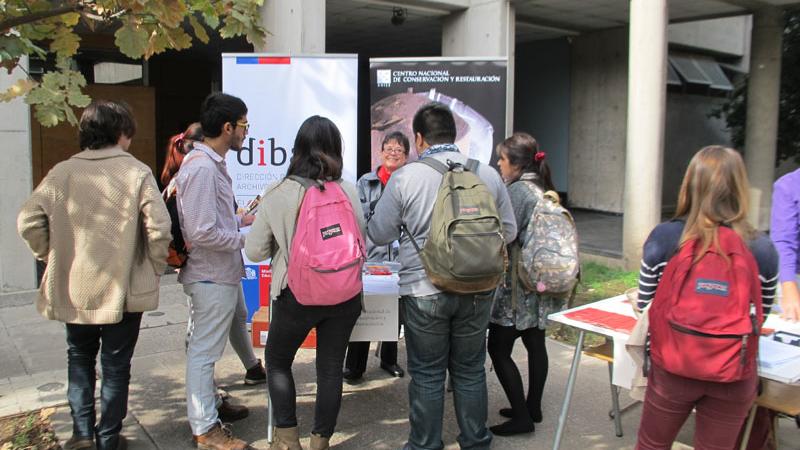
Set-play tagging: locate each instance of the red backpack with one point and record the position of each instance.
(702, 323)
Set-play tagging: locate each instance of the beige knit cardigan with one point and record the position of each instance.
(100, 224)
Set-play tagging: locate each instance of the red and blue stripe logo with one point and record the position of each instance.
(263, 60)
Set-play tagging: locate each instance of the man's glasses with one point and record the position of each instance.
(244, 125)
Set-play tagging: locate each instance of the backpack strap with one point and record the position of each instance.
(472, 165)
(307, 183)
(435, 164)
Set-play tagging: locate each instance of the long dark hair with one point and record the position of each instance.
(522, 151)
(317, 150)
(178, 146)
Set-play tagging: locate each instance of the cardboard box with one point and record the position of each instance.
(260, 330)
(260, 327)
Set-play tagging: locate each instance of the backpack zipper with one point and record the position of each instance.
(743, 337)
(684, 330)
(346, 266)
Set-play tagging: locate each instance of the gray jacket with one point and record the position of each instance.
(369, 191)
(408, 199)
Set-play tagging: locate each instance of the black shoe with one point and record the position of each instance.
(393, 370)
(513, 427)
(255, 375)
(228, 412)
(351, 377)
(507, 412)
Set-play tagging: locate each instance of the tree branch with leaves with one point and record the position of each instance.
(143, 28)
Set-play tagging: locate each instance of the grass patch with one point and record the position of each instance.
(598, 282)
(28, 431)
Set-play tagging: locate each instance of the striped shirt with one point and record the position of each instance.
(663, 242)
(208, 220)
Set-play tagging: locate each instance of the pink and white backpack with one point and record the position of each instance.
(327, 251)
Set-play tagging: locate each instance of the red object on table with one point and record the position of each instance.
(611, 320)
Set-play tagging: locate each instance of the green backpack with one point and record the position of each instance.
(465, 252)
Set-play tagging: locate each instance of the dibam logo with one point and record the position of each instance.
(711, 287)
(384, 78)
(275, 156)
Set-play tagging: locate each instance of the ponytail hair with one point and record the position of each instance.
(177, 148)
(522, 151)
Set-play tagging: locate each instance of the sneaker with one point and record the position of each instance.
(255, 375)
(79, 443)
(228, 412)
(220, 438)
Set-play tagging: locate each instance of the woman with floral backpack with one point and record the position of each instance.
(316, 275)
(516, 312)
(707, 279)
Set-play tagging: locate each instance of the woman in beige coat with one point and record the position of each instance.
(98, 221)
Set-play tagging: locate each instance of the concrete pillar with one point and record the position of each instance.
(17, 265)
(486, 28)
(763, 95)
(294, 26)
(647, 91)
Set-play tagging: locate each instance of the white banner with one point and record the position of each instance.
(281, 92)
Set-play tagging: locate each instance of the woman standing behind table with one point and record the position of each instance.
(394, 153)
(714, 194)
(527, 175)
(317, 156)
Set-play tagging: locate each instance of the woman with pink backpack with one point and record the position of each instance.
(707, 280)
(314, 232)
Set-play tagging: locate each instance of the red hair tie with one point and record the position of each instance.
(539, 156)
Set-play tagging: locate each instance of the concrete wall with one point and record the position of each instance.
(541, 101)
(726, 37)
(17, 268)
(688, 129)
(597, 122)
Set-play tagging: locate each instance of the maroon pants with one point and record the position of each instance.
(721, 410)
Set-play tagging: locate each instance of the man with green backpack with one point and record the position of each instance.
(456, 218)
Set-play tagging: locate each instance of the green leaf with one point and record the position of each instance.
(20, 88)
(65, 43)
(199, 30)
(132, 39)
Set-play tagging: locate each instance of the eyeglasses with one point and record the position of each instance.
(244, 125)
(395, 151)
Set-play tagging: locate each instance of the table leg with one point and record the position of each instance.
(573, 373)
(615, 401)
(270, 418)
(748, 427)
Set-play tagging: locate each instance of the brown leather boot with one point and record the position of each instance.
(220, 438)
(285, 439)
(319, 443)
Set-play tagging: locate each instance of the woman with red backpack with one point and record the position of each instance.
(707, 278)
(314, 232)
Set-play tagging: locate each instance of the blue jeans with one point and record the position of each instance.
(83, 342)
(447, 332)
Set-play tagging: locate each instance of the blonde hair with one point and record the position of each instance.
(714, 192)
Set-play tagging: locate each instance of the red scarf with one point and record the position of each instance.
(383, 175)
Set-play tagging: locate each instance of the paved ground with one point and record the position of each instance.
(374, 413)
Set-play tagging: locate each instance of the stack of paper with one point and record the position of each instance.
(773, 354)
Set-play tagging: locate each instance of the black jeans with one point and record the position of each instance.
(118, 342)
(289, 326)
